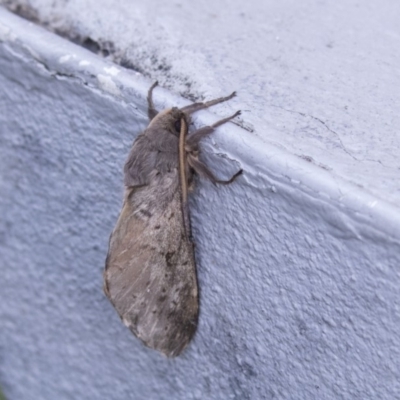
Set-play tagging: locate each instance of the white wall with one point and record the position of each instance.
(298, 269)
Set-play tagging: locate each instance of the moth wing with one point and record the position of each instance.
(150, 274)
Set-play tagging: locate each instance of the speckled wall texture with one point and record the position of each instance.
(298, 270)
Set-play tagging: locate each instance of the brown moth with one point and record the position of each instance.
(150, 273)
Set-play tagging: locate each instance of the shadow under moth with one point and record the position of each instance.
(150, 272)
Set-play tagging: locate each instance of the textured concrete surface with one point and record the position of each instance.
(298, 268)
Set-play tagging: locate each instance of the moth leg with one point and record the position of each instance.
(193, 140)
(191, 108)
(202, 170)
(183, 176)
(152, 112)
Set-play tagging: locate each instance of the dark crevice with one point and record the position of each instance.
(109, 50)
(24, 11)
(103, 48)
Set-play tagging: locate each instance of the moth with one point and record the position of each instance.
(150, 272)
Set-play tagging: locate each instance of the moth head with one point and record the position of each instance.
(170, 120)
(175, 118)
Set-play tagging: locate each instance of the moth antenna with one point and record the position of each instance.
(191, 108)
(152, 112)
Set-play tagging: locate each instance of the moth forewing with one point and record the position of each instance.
(150, 273)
